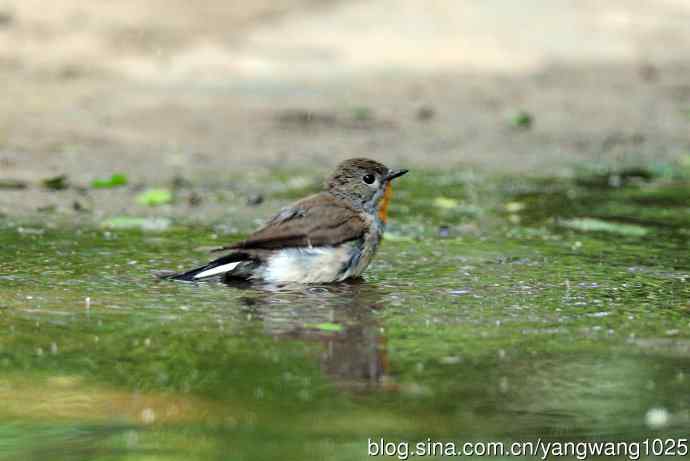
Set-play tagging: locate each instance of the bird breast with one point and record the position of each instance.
(383, 206)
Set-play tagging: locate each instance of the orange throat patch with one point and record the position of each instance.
(383, 207)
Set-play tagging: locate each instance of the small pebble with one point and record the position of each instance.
(6, 18)
(194, 199)
(255, 199)
(425, 113)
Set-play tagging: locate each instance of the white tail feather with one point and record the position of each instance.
(217, 270)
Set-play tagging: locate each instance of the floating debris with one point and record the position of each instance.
(130, 222)
(598, 225)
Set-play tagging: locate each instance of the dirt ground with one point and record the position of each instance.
(212, 89)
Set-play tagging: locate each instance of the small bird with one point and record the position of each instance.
(327, 237)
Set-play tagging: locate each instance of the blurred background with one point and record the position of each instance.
(155, 88)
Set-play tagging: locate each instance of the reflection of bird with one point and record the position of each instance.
(327, 237)
(339, 317)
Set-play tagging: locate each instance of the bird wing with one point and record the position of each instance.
(318, 220)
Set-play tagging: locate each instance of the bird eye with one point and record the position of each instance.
(369, 178)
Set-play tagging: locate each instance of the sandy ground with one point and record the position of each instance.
(212, 89)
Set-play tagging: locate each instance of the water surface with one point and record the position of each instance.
(495, 310)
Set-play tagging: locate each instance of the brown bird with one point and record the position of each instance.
(327, 237)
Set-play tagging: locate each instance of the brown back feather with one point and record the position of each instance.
(319, 220)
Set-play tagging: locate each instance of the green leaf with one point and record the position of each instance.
(154, 197)
(326, 326)
(116, 180)
(522, 120)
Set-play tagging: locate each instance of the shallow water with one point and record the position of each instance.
(495, 310)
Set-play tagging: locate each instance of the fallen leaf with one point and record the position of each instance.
(325, 326)
(154, 197)
(56, 183)
(116, 180)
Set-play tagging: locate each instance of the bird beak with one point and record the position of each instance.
(395, 174)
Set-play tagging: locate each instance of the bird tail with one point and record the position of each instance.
(217, 267)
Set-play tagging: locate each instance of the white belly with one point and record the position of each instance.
(307, 265)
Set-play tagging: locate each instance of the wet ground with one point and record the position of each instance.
(498, 308)
(149, 89)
